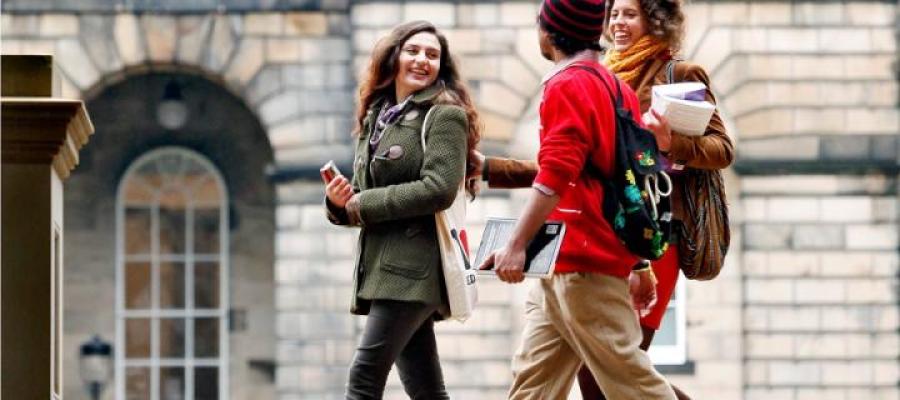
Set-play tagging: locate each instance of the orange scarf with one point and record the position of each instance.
(627, 65)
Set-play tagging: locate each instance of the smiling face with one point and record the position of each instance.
(627, 24)
(418, 64)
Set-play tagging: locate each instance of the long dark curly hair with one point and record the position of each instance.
(665, 20)
(378, 82)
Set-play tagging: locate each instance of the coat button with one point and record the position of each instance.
(395, 152)
(411, 115)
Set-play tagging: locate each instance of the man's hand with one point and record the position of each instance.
(659, 125)
(642, 285)
(508, 264)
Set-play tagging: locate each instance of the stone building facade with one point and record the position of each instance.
(807, 307)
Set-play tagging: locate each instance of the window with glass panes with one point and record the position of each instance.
(669, 344)
(171, 274)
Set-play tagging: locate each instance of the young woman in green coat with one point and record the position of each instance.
(396, 189)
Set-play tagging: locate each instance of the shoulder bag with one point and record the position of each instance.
(703, 234)
(459, 274)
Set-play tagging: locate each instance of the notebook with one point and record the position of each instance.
(540, 257)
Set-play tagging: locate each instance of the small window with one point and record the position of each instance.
(669, 345)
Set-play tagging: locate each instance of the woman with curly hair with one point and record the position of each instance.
(645, 36)
(397, 188)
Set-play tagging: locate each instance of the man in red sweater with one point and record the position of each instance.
(584, 313)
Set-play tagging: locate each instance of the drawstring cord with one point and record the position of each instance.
(651, 185)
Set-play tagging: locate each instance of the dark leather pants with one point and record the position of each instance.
(401, 333)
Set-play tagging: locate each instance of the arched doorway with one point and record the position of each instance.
(215, 135)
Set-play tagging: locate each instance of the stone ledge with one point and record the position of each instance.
(42, 130)
(838, 154)
(688, 368)
(815, 167)
(874, 184)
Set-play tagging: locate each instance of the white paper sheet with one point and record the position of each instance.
(687, 117)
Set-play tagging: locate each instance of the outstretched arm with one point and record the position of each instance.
(508, 173)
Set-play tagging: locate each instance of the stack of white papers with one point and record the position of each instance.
(684, 106)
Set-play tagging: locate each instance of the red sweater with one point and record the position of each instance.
(576, 123)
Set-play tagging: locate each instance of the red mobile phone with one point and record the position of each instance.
(329, 171)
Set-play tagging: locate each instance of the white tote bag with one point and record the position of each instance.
(459, 274)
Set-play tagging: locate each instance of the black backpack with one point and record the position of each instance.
(639, 212)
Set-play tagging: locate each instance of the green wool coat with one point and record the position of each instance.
(400, 190)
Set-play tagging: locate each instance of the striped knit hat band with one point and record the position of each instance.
(575, 19)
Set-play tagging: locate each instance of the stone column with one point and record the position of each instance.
(41, 139)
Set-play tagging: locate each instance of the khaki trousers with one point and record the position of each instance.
(583, 317)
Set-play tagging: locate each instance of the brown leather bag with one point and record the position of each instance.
(703, 234)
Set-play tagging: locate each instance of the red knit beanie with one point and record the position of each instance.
(575, 19)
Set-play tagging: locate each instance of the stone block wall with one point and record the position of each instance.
(316, 334)
(809, 92)
(171, 6)
(803, 81)
(820, 287)
(292, 68)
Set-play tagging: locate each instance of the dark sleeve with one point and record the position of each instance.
(336, 215)
(713, 150)
(508, 173)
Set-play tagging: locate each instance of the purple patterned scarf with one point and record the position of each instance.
(387, 116)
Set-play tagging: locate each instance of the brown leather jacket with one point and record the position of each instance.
(713, 150)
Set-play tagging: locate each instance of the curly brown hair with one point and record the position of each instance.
(665, 20)
(378, 82)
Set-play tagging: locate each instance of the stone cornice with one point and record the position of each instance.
(44, 130)
(816, 167)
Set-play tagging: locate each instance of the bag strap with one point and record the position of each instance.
(616, 100)
(425, 130)
(670, 71)
(424, 124)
